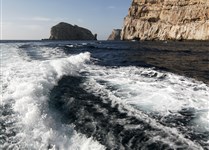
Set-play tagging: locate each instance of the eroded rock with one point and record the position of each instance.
(65, 31)
(167, 20)
(115, 35)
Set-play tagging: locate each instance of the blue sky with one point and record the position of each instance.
(32, 19)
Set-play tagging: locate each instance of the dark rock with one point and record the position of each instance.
(65, 31)
(115, 35)
(95, 36)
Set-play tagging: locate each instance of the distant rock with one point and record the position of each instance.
(115, 35)
(65, 31)
(167, 20)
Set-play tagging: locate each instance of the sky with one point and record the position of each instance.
(33, 19)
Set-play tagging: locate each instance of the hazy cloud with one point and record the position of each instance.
(111, 7)
(41, 19)
(12, 30)
(6, 24)
(80, 20)
(9, 25)
(35, 19)
(46, 19)
(32, 27)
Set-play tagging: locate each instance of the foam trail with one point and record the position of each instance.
(175, 101)
(26, 122)
(121, 107)
(98, 113)
(153, 91)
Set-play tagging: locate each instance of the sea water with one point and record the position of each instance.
(84, 95)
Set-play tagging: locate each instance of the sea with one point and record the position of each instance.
(104, 95)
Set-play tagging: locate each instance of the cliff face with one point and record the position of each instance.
(65, 31)
(115, 35)
(167, 20)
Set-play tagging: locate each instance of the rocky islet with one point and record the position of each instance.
(65, 31)
(115, 35)
(151, 20)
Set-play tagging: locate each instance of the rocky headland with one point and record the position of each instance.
(65, 31)
(167, 20)
(115, 35)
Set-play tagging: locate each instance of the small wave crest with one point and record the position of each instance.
(174, 101)
(26, 122)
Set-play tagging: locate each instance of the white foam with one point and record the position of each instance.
(103, 87)
(26, 86)
(152, 91)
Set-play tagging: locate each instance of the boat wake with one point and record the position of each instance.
(60, 98)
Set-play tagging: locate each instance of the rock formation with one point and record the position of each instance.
(65, 31)
(167, 20)
(115, 35)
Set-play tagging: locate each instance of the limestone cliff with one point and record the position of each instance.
(65, 31)
(167, 20)
(115, 35)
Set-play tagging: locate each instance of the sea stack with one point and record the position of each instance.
(65, 31)
(115, 35)
(167, 20)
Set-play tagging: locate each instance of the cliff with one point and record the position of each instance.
(167, 20)
(65, 31)
(115, 35)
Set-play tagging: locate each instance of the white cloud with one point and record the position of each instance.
(32, 27)
(80, 20)
(111, 7)
(23, 31)
(43, 19)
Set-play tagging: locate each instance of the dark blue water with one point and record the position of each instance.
(128, 95)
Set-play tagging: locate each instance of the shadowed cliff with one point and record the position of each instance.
(65, 31)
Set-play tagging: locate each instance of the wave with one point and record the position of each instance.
(26, 122)
(177, 103)
(52, 99)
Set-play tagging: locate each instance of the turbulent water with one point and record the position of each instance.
(93, 96)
